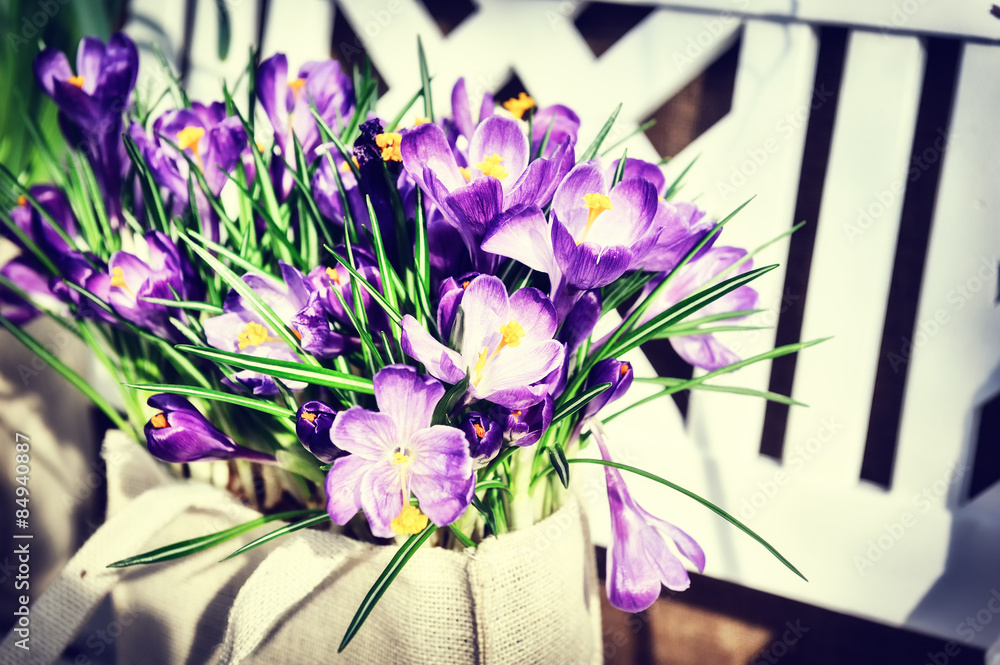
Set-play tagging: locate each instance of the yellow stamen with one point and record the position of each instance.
(513, 333)
(597, 203)
(296, 86)
(409, 521)
(254, 334)
(516, 413)
(465, 284)
(260, 147)
(22, 200)
(519, 105)
(490, 166)
(389, 142)
(75, 80)
(420, 120)
(346, 168)
(159, 421)
(624, 369)
(466, 172)
(333, 275)
(308, 415)
(479, 429)
(188, 138)
(297, 334)
(118, 279)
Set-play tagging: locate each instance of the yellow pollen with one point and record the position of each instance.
(254, 334)
(420, 120)
(597, 203)
(516, 413)
(309, 415)
(22, 200)
(296, 85)
(346, 168)
(188, 138)
(333, 275)
(260, 147)
(75, 80)
(399, 458)
(118, 279)
(465, 284)
(519, 105)
(490, 166)
(389, 142)
(159, 421)
(623, 370)
(409, 521)
(466, 172)
(480, 431)
(513, 333)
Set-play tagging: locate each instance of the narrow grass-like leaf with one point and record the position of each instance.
(461, 537)
(402, 556)
(446, 404)
(369, 351)
(638, 130)
(391, 127)
(50, 359)
(284, 369)
(216, 395)
(425, 81)
(391, 311)
(384, 267)
(557, 457)
(705, 502)
(225, 30)
(735, 390)
(492, 485)
(676, 184)
(194, 545)
(591, 151)
(578, 402)
(277, 533)
(620, 169)
(183, 304)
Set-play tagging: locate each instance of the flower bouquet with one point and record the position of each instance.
(356, 320)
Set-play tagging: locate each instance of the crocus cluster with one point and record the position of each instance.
(399, 311)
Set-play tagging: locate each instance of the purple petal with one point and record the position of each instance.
(534, 312)
(272, 91)
(585, 178)
(522, 234)
(500, 136)
(364, 433)
(50, 66)
(565, 124)
(440, 361)
(638, 168)
(381, 497)
(343, 488)
(580, 321)
(704, 351)
(460, 112)
(426, 147)
(442, 478)
(484, 309)
(406, 397)
(88, 62)
(475, 205)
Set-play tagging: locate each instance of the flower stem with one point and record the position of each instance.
(522, 506)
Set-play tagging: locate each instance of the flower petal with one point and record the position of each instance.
(406, 397)
(343, 487)
(441, 362)
(381, 497)
(364, 433)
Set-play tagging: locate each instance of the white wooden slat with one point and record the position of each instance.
(854, 249)
(755, 151)
(149, 23)
(955, 354)
(969, 18)
(302, 34)
(207, 71)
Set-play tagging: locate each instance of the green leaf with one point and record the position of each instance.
(391, 311)
(425, 81)
(591, 152)
(620, 169)
(255, 301)
(449, 400)
(50, 359)
(277, 533)
(461, 537)
(402, 556)
(578, 402)
(385, 268)
(557, 457)
(638, 130)
(676, 184)
(184, 304)
(736, 390)
(391, 127)
(194, 545)
(284, 369)
(492, 485)
(705, 502)
(216, 395)
(225, 30)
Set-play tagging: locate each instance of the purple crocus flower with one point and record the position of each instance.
(179, 433)
(507, 348)
(240, 329)
(287, 105)
(91, 104)
(77, 269)
(312, 425)
(35, 225)
(580, 321)
(705, 351)
(640, 558)
(34, 283)
(524, 427)
(395, 453)
(610, 370)
(564, 122)
(484, 435)
(596, 235)
(461, 111)
(133, 280)
(499, 175)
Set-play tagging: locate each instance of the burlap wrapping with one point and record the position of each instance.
(528, 597)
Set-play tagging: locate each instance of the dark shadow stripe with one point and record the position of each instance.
(815, 161)
(986, 459)
(184, 58)
(603, 24)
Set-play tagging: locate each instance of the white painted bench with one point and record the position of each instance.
(917, 555)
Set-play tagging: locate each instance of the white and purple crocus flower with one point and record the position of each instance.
(396, 453)
(506, 350)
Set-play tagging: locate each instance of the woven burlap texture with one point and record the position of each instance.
(528, 597)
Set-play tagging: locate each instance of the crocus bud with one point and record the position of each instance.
(179, 433)
(580, 321)
(615, 372)
(312, 423)
(484, 436)
(523, 427)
